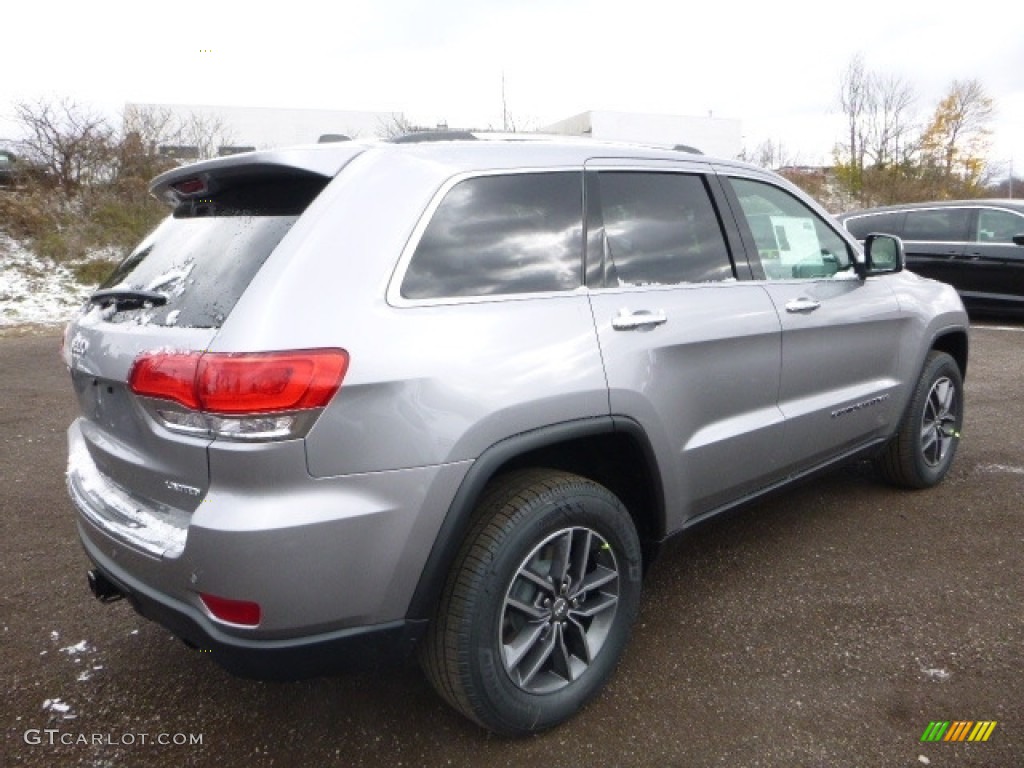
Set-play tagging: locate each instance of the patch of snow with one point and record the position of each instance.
(81, 647)
(173, 281)
(56, 705)
(60, 708)
(1001, 468)
(109, 253)
(937, 674)
(160, 531)
(33, 290)
(981, 326)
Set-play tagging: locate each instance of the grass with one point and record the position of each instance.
(92, 272)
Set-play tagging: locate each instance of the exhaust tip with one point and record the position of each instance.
(102, 588)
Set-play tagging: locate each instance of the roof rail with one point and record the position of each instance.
(418, 136)
(687, 148)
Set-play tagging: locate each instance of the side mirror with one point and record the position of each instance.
(883, 255)
(1018, 239)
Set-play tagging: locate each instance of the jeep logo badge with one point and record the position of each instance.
(79, 346)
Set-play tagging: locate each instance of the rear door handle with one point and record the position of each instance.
(631, 321)
(802, 305)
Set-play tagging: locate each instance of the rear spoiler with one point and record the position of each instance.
(196, 179)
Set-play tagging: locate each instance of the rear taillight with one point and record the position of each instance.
(168, 376)
(244, 396)
(261, 383)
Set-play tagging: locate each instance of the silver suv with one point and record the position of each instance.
(454, 394)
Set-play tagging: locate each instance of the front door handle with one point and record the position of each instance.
(631, 321)
(802, 305)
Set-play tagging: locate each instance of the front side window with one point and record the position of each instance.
(937, 225)
(998, 226)
(661, 229)
(792, 240)
(494, 235)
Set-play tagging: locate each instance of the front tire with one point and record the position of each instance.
(539, 604)
(921, 452)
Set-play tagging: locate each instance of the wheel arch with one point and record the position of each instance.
(612, 451)
(954, 343)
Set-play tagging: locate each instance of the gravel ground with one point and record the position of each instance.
(826, 626)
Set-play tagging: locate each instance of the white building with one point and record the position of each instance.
(246, 128)
(717, 136)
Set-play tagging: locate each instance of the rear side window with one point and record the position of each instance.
(995, 226)
(943, 225)
(890, 223)
(205, 255)
(494, 235)
(661, 229)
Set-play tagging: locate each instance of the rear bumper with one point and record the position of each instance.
(332, 562)
(320, 654)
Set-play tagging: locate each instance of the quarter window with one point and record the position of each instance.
(493, 235)
(661, 229)
(792, 240)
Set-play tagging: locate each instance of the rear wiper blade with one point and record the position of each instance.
(123, 298)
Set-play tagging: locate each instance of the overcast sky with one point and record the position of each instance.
(775, 66)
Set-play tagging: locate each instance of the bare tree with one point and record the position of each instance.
(889, 120)
(72, 143)
(144, 131)
(394, 126)
(207, 133)
(158, 128)
(154, 125)
(878, 164)
(767, 154)
(855, 99)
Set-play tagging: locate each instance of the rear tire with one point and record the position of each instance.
(539, 604)
(921, 452)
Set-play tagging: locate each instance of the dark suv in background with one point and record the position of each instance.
(7, 167)
(456, 393)
(977, 246)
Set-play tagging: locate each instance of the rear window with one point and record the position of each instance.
(205, 255)
(493, 235)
